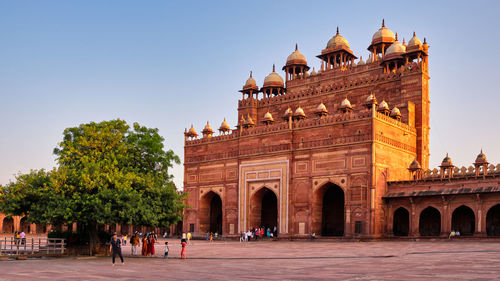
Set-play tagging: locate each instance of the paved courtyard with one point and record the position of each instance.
(280, 260)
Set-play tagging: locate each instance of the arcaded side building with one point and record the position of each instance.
(324, 152)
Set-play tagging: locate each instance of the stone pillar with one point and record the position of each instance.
(445, 217)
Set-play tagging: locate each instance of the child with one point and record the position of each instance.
(183, 251)
(166, 250)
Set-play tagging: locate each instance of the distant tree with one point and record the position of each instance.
(108, 173)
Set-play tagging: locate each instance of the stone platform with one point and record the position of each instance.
(280, 260)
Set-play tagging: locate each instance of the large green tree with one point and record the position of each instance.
(107, 173)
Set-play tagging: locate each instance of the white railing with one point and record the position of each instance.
(32, 246)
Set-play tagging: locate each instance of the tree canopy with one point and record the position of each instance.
(107, 173)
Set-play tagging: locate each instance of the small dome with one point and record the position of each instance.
(361, 61)
(383, 105)
(191, 132)
(250, 84)
(288, 113)
(481, 158)
(337, 41)
(414, 41)
(383, 35)
(321, 109)
(268, 117)
(313, 72)
(296, 57)
(395, 112)
(224, 127)
(371, 99)
(207, 130)
(249, 120)
(345, 103)
(446, 161)
(414, 165)
(396, 48)
(273, 80)
(299, 112)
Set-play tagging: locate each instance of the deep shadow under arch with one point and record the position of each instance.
(493, 221)
(463, 220)
(210, 213)
(332, 211)
(401, 222)
(264, 209)
(430, 222)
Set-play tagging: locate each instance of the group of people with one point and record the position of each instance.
(148, 246)
(19, 237)
(454, 233)
(258, 233)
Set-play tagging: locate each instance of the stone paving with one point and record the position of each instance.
(280, 260)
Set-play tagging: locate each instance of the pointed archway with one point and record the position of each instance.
(25, 225)
(264, 209)
(211, 213)
(8, 225)
(430, 222)
(328, 210)
(463, 220)
(401, 222)
(493, 221)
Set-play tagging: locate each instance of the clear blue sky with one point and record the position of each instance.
(171, 64)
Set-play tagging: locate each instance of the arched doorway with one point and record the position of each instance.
(430, 222)
(8, 225)
(25, 225)
(463, 220)
(264, 209)
(331, 198)
(401, 222)
(210, 213)
(493, 221)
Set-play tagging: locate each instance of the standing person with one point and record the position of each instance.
(144, 246)
(125, 240)
(23, 237)
(148, 242)
(153, 241)
(166, 251)
(211, 237)
(188, 236)
(183, 251)
(135, 243)
(116, 247)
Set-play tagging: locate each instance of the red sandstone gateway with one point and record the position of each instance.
(328, 151)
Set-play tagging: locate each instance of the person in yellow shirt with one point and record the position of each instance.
(188, 236)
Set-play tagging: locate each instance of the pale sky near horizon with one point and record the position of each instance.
(170, 64)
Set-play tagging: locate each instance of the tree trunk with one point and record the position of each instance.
(93, 238)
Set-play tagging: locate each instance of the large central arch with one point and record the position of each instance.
(264, 209)
(329, 206)
(210, 213)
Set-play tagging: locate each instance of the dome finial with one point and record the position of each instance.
(273, 68)
(413, 33)
(396, 36)
(383, 22)
(250, 73)
(425, 41)
(337, 30)
(296, 47)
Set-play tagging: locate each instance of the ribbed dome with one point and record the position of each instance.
(250, 84)
(268, 117)
(296, 58)
(249, 120)
(383, 35)
(313, 72)
(288, 113)
(383, 105)
(414, 165)
(481, 158)
(414, 41)
(345, 104)
(207, 130)
(224, 127)
(371, 99)
(447, 161)
(273, 80)
(396, 48)
(191, 132)
(321, 109)
(299, 112)
(395, 112)
(337, 41)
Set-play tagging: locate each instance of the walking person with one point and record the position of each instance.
(183, 251)
(116, 247)
(135, 244)
(144, 246)
(166, 250)
(153, 241)
(188, 236)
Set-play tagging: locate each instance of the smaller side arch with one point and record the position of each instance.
(430, 222)
(401, 222)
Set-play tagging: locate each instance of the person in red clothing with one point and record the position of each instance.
(183, 251)
(153, 240)
(262, 233)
